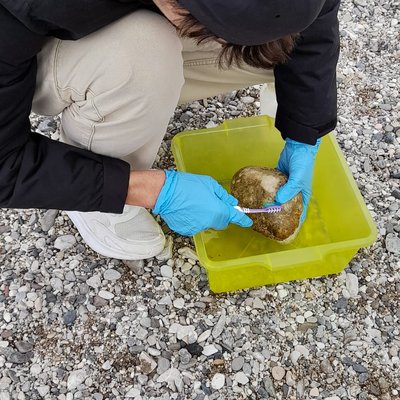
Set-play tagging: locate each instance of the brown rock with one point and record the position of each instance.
(254, 186)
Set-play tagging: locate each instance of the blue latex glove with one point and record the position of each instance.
(297, 162)
(191, 203)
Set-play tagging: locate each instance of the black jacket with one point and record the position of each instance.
(36, 172)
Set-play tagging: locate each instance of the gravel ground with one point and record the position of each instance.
(74, 325)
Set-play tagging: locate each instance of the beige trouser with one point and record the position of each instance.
(118, 87)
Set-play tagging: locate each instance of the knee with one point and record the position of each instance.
(130, 81)
(140, 53)
(155, 53)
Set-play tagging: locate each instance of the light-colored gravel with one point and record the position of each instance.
(74, 325)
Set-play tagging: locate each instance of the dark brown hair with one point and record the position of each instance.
(259, 56)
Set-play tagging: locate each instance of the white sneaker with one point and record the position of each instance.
(133, 235)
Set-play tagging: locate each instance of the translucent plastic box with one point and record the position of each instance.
(337, 226)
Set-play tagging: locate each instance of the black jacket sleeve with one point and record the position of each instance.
(36, 172)
(306, 85)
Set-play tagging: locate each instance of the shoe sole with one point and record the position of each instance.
(139, 252)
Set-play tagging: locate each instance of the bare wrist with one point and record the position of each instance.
(144, 187)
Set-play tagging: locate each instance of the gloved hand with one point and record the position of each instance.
(191, 203)
(297, 162)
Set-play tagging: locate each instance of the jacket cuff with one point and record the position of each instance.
(115, 185)
(301, 133)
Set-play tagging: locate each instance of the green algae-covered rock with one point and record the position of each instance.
(254, 186)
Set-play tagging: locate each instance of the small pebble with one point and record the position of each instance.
(76, 378)
(241, 378)
(218, 381)
(237, 363)
(166, 271)
(112, 275)
(179, 303)
(209, 350)
(106, 295)
(69, 317)
(23, 347)
(43, 390)
(64, 242)
(278, 373)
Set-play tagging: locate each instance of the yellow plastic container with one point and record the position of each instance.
(338, 223)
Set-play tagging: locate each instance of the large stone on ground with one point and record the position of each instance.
(254, 186)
